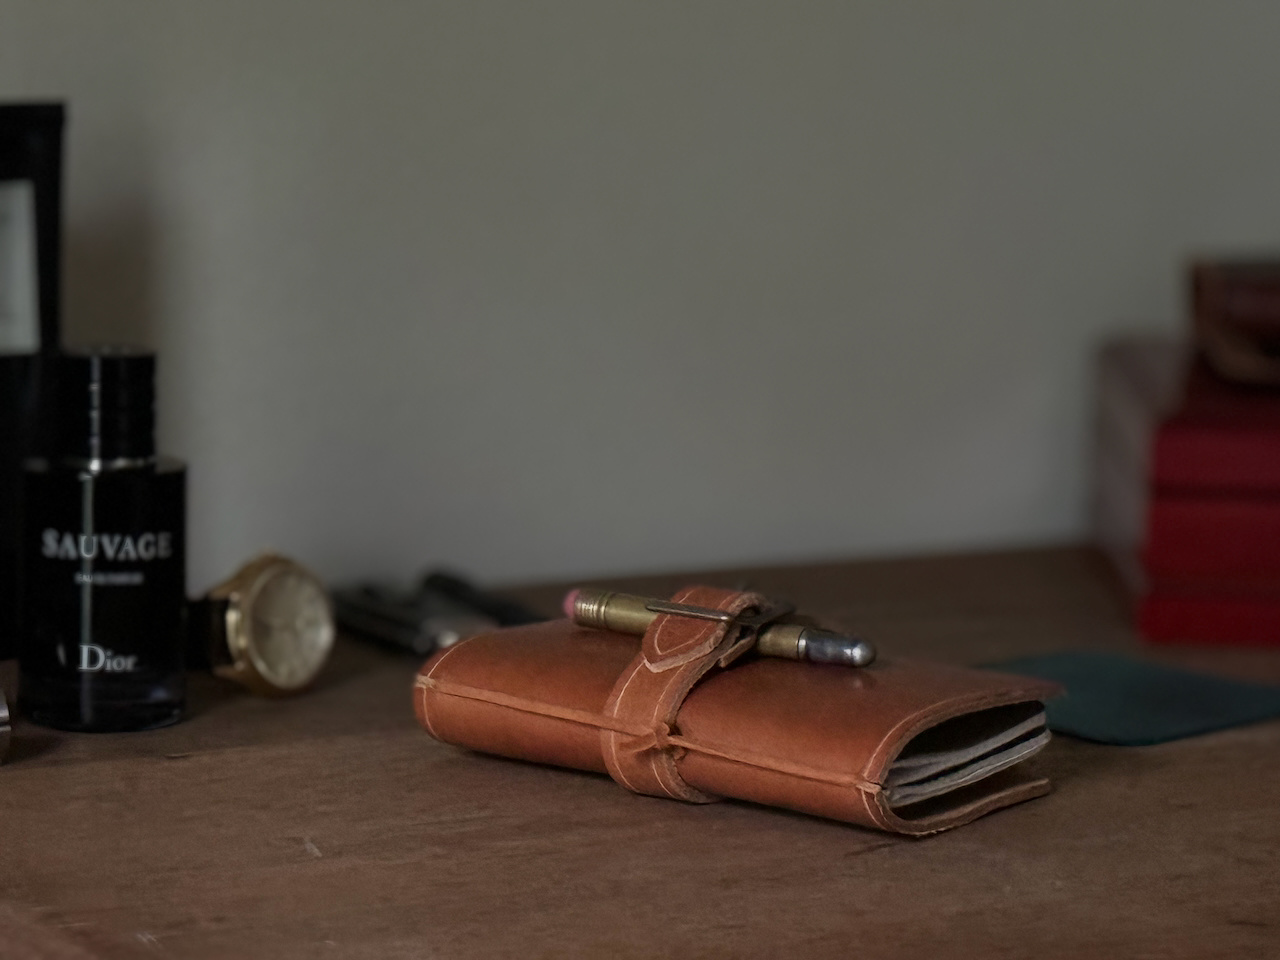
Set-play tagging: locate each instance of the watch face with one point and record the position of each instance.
(290, 627)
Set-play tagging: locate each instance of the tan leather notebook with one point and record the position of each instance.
(909, 747)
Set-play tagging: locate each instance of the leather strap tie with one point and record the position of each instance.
(677, 651)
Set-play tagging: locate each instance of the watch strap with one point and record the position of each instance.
(207, 633)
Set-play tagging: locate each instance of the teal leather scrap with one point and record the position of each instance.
(1121, 700)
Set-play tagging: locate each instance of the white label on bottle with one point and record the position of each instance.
(95, 659)
(120, 547)
(19, 309)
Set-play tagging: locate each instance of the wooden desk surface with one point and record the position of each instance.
(331, 826)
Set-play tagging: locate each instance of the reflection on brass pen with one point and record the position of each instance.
(627, 613)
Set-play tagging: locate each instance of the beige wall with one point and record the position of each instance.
(542, 289)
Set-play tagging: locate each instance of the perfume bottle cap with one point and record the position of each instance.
(105, 407)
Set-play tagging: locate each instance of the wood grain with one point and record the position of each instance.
(330, 825)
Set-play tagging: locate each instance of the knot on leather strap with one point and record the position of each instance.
(676, 652)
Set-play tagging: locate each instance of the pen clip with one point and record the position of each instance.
(689, 610)
(749, 623)
(752, 620)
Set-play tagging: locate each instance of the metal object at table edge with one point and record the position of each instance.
(4, 728)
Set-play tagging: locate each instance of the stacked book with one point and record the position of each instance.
(1188, 494)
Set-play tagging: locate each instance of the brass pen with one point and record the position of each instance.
(628, 613)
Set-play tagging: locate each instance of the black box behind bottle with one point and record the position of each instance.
(30, 287)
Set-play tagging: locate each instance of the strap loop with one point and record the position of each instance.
(676, 652)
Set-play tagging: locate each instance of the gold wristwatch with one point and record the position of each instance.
(269, 627)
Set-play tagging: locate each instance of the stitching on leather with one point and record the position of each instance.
(692, 664)
(658, 635)
(424, 683)
(586, 717)
(696, 652)
(613, 762)
(659, 738)
(656, 757)
(650, 754)
(661, 764)
(816, 774)
(436, 666)
(426, 715)
(665, 622)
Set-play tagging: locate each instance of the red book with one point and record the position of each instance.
(1220, 438)
(1222, 538)
(1187, 495)
(1172, 618)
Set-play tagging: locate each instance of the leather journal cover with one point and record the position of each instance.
(689, 712)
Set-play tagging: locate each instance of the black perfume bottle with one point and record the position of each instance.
(104, 537)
